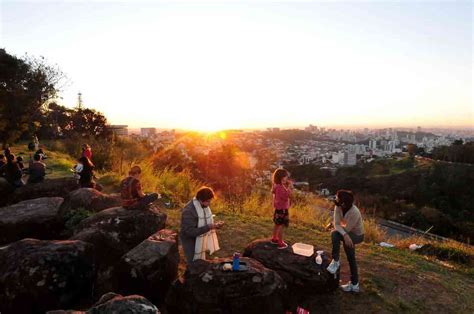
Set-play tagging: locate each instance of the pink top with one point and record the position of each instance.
(281, 197)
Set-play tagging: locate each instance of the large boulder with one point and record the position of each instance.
(48, 188)
(36, 276)
(90, 199)
(207, 288)
(116, 303)
(117, 230)
(37, 218)
(298, 271)
(150, 267)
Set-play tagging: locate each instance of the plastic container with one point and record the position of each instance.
(303, 249)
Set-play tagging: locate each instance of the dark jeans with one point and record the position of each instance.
(337, 238)
(145, 201)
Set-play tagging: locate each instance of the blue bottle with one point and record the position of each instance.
(236, 262)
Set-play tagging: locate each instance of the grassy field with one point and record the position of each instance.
(392, 279)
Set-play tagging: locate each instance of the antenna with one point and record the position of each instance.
(79, 101)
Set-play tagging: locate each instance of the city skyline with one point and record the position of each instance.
(250, 66)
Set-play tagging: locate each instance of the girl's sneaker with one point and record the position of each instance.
(333, 267)
(275, 241)
(282, 245)
(349, 287)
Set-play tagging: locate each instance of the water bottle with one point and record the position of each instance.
(236, 262)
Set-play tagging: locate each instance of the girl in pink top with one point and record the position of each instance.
(281, 202)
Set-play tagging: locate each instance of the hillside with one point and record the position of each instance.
(392, 280)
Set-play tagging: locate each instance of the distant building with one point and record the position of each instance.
(119, 130)
(147, 132)
(350, 159)
(372, 144)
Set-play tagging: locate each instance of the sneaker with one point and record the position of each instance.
(349, 287)
(333, 267)
(282, 245)
(275, 241)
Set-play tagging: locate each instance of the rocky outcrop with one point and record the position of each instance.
(150, 267)
(36, 276)
(48, 188)
(298, 271)
(90, 199)
(115, 231)
(116, 303)
(37, 218)
(207, 288)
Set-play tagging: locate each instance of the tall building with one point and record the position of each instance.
(119, 130)
(373, 144)
(147, 132)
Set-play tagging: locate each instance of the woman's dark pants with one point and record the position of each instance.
(337, 238)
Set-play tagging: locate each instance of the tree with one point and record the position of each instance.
(25, 86)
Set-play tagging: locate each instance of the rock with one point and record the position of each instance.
(115, 231)
(5, 190)
(37, 218)
(36, 276)
(90, 199)
(150, 267)
(209, 289)
(298, 271)
(48, 188)
(116, 303)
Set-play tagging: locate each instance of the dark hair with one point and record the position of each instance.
(11, 158)
(88, 165)
(19, 159)
(279, 174)
(135, 170)
(37, 157)
(346, 198)
(204, 194)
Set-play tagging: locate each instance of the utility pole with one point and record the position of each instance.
(79, 101)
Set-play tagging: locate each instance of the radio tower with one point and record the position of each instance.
(79, 101)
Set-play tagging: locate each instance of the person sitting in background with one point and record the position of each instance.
(86, 151)
(7, 152)
(37, 170)
(3, 160)
(349, 229)
(41, 152)
(19, 161)
(11, 172)
(86, 175)
(131, 191)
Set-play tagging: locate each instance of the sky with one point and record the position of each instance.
(240, 64)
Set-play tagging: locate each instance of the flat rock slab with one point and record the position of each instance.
(298, 271)
(207, 288)
(36, 276)
(115, 231)
(59, 187)
(38, 218)
(150, 267)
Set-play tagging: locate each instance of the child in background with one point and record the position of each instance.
(281, 202)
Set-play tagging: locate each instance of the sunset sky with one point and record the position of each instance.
(233, 64)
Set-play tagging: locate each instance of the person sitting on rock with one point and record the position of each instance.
(349, 229)
(86, 175)
(131, 191)
(19, 161)
(36, 170)
(198, 230)
(12, 172)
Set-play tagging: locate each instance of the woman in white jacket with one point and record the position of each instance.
(349, 229)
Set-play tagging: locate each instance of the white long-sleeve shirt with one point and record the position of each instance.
(351, 222)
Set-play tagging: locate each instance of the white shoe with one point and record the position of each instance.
(349, 287)
(333, 267)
